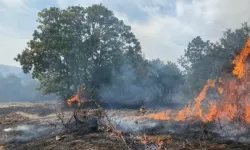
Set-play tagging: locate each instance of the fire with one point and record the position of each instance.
(182, 114)
(240, 61)
(211, 112)
(197, 106)
(247, 115)
(234, 102)
(74, 99)
(220, 90)
(228, 112)
(186, 112)
(164, 115)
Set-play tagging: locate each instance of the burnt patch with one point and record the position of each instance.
(40, 111)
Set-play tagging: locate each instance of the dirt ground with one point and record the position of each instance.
(12, 115)
(16, 114)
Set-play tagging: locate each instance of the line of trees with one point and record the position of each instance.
(15, 88)
(90, 46)
(204, 59)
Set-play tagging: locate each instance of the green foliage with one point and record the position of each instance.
(77, 46)
(91, 47)
(203, 60)
(165, 80)
(153, 82)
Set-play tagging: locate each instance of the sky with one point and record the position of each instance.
(164, 27)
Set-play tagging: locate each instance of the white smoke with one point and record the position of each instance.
(24, 133)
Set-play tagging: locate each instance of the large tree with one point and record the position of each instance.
(77, 46)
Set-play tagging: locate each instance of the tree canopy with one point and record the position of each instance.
(77, 46)
(90, 46)
(157, 83)
(204, 59)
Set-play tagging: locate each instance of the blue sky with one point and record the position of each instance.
(164, 27)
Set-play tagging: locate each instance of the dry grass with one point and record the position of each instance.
(93, 140)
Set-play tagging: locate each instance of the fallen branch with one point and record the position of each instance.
(112, 126)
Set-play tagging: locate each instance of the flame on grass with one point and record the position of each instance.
(234, 101)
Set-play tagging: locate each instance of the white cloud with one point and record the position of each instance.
(162, 35)
(210, 17)
(11, 43)
(9, 48)
(63, 3)
(66, 3)
(12, 3)
(14, 6)
(165, 36)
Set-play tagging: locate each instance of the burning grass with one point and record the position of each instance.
(225, 118)
(233, 102)
(156, 137)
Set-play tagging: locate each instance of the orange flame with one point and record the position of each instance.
(235, 101)
(210, 116)
(197, 107)
(234, 104)
(220, 90)
(232, 110)
(183, 114)
(164, 115)
(240, 61)
(74, 99)
(247, 115)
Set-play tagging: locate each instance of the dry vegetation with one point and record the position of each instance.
(86, 137)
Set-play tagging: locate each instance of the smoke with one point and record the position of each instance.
(221, 131)
(124, 87)
(23, 133)
(149, 88)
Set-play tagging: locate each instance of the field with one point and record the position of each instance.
(36, 126)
